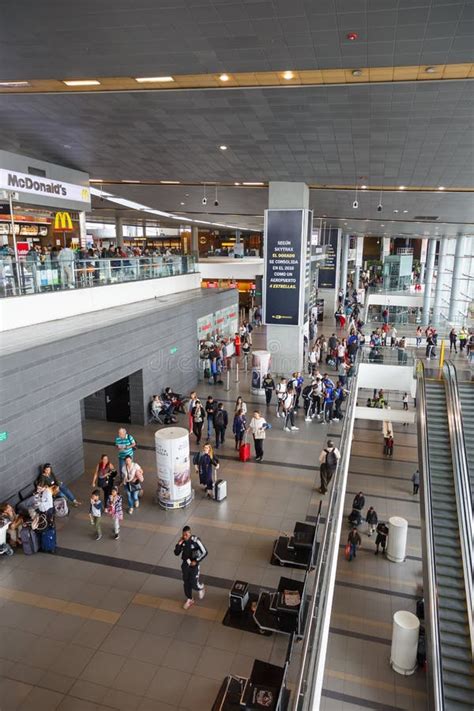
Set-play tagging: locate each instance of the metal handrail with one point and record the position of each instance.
(429, 557)
(313, 655)
(461, 486)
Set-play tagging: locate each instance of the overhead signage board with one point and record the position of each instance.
(327, 270)
(44, 187)
(285, 245)
(359, 251)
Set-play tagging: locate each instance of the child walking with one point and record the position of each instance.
(115, 509)
(95, 513)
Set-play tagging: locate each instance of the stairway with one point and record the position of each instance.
(455, 643)
(466, 395)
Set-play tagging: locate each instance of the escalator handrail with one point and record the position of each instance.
(430, 594)
(461, 485)
(309, 684)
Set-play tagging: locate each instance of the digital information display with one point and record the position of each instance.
(327, 271)
(283, 265)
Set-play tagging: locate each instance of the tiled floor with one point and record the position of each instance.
(100, 624)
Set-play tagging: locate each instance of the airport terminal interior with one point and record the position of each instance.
(237, 355)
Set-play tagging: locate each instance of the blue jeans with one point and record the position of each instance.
(209, 426)
(65, 491)
(132, 496)
(353, 551)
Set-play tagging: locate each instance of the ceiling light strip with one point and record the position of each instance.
(247, 80)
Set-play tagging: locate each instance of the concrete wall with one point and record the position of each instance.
(42, 386)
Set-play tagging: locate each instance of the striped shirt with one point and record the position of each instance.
(125, 446)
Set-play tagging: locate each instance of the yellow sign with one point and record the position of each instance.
(85, 194)
(63, 222)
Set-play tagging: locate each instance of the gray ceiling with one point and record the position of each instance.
(415, 134)
(57, 39)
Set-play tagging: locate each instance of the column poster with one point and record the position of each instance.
(283, 257)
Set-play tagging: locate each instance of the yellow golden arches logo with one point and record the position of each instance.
(85, 195)
(63, 222)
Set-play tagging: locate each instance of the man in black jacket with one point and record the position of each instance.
(221, 420)
(210, 407)
(192, 552)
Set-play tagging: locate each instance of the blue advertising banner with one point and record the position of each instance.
(283, 263)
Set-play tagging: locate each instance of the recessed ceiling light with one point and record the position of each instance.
(130, 181)
(181, 203)
(382, 225)
(356, 73)
(288, 75)
(395, 210)
(441, 187)
(363, 187)
(96, 180)
(405, 211)
(253, 183)
(224, 77)
(223, 148)
(82, 82)
(401, 187)
(152, 80)
(170, 182)
(14, 84)
(430, 70)
(236, 183)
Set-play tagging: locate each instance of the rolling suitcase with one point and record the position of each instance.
(244, 451)
(220, 489)
(29, 541)
(48, 540)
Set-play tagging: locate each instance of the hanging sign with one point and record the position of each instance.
(44, 187)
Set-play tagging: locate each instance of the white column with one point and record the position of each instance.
(82, 230)
(397, 539)
(430, 260)
(344, 262)
(173, 467)
(457, 304)
(358, 260)
(441, 278)
(405, 631)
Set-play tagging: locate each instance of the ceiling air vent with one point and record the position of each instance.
(426, 218)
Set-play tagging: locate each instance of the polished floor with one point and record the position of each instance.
(100, 624)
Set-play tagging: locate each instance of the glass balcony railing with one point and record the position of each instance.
(21, 277)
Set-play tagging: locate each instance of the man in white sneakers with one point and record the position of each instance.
(192, 552)
(289, 402)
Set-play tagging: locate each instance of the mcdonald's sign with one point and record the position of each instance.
(63, 222)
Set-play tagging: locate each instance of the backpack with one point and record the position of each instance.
(197, 459)
(60, 506)
(331, 459)
(219, 419)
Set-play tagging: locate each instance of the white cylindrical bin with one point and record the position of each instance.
(260, 367)
(405, 631)
(397, 539)
(173, 468)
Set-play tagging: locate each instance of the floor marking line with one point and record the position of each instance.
(58, 605)
(357, 701)
(380, 591)
(359, 635)
(374, 684)
(169, 605)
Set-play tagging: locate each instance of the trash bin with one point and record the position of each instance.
(405, 631)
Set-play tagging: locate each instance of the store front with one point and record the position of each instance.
(249, 295)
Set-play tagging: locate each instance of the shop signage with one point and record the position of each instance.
(327, 271)
(44, 187)
(283, 263)
(63, 222)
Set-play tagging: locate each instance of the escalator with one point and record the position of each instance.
(466, 395)
(447, 594)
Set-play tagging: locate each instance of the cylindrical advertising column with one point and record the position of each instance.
(260, 367)
(397, 539)
(173, 468)
(405, 631)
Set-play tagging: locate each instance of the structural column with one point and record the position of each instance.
(457, 309)
(119, 231)
(285, 342)
(440, 279)
(358, 260)
(195, 240)
(82, 230)
(344, 262)
(430, 260)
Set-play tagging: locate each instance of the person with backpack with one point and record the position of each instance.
(221, 420)
(198, 414)
(372, 520)
(269, 387)
(359, 501)
(210, 407)
(126, 446)
(354, 541)
(328, 460)
(192, 552)
(355, 518)
(238, 428)
(203, 463)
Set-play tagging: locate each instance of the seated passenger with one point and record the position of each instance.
(58, 488)
(15, 523)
